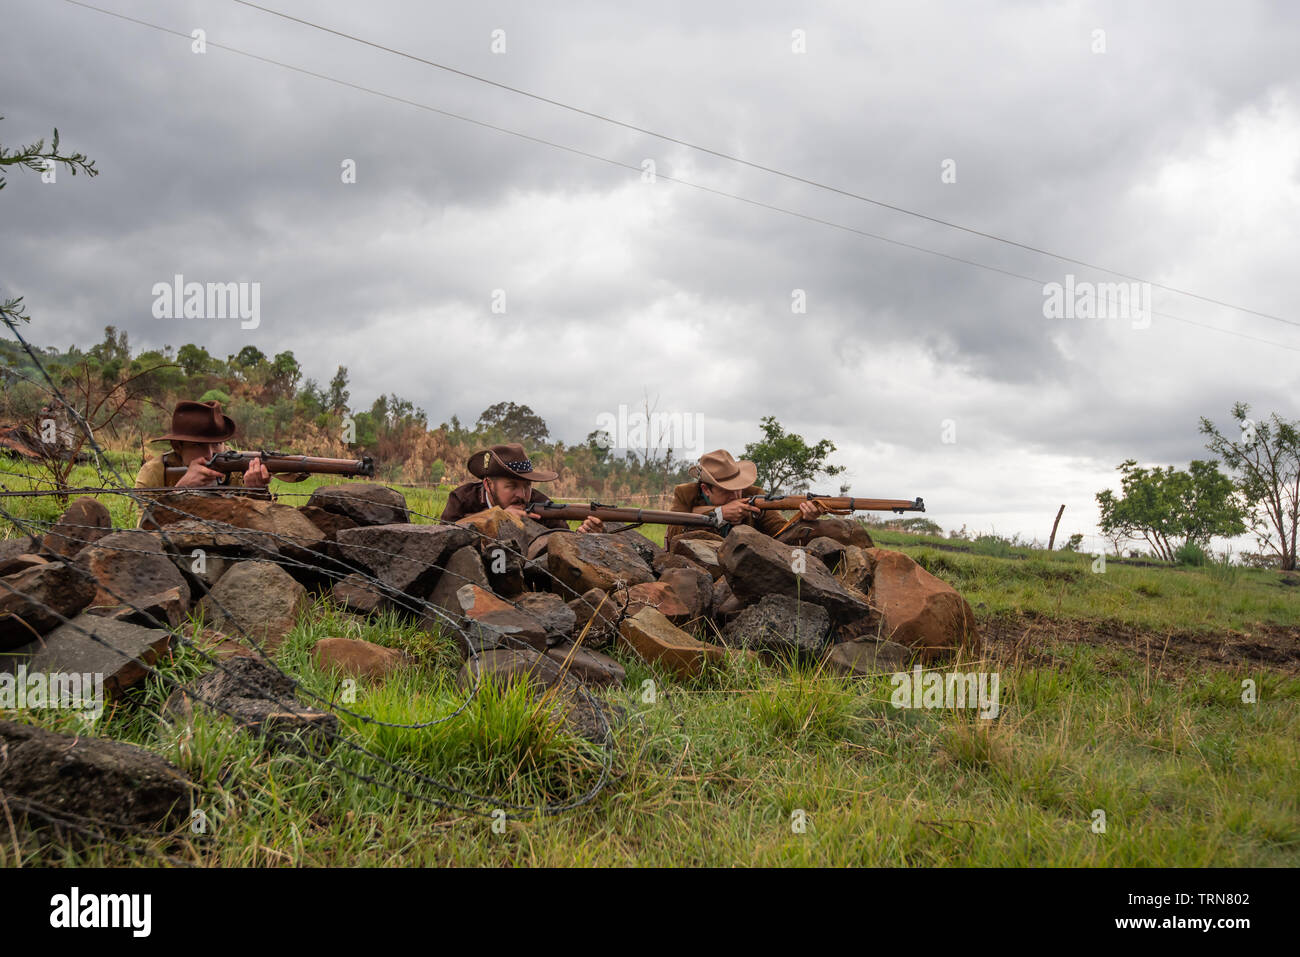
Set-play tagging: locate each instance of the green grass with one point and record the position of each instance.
(714, 770)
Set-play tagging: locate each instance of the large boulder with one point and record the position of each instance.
(357, 658)
(131, 567)
(703, 552)
(37, 599)
(693, 587)
(91, 645)
(647, 548)
(356, 594)
(658, 640)
(238, 525)
(506, 666)
(491, 622)
(89, 777)
(828, 551)
(846, 531)
(364, 503)
(660, 596)
(258, 697)
(757, 565)
(583, 562)
(406, 558)
(167, 609)
(550, 610)
(917, 609)
(589, 667)
(84, 523)
(255, 599)
(781, 626)
(464, 567)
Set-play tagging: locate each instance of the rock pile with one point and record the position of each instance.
(523, 599)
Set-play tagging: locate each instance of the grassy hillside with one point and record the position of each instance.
(1121, 692)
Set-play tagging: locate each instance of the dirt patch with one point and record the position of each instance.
(1028, 638)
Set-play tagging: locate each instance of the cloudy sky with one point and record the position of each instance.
(1161, 140)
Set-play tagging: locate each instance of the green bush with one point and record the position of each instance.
(1189, 553)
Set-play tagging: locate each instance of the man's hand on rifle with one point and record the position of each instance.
(591, 524)
(734, 512)
(811, 509)
(198, 475)
(256, 476)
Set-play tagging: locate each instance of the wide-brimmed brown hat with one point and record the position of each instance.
(198, 422)
(507, 461)
(724, 470)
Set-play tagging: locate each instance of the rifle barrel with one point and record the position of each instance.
(838, 503)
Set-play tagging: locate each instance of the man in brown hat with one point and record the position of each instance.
(505, 478)
(722, 483)
(199, 431)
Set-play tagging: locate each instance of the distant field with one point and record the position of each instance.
(1121, 693)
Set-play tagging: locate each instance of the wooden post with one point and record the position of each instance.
(1052, 541)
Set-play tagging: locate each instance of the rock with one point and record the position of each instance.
(917, 609)
(846, 531)
(757, 565)
(495, 523)
(693, 587)
(589, 667)
(11, 548)
(20, 563)
(364, 503)
(782, 626)
(359, 659)
(657, 640)
(699, 535)
(602, 606)
(357, 595)
(221, 513)
(256, 600)
(131, 567)
(828, 551)
(166, 609)
(182, 539)
(329, 523)
(84, 523)
(861, 658)
(213, 644)
(725, 604)
(120, 651)
(494, 623)
(854, 570)
(647, 548)
(295, 534)
(702, 552)
(465, 567)
(405, 558)
(505, 666)
(668, 560)
(583, 562)
(660, 596)
(38, 599)
(555, 616)
(89, 777)
(257, 697)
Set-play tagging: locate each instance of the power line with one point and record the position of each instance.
(759, 166)
(637, 169)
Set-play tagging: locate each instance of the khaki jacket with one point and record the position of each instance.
(687, 497)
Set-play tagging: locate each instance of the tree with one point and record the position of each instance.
(787, 463)
(1168, 507)
(249, 357)
(285, 373)
(338, 396)
(1266, 461)
(514, 422)
(193, 359)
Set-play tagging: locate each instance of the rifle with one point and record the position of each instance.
(231, 461)
(837, 504)
(644, 516)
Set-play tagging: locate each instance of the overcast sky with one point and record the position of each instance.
(1172, 156)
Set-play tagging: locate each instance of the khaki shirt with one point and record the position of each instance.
(688, 497)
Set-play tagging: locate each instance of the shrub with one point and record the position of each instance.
(1189, 553)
